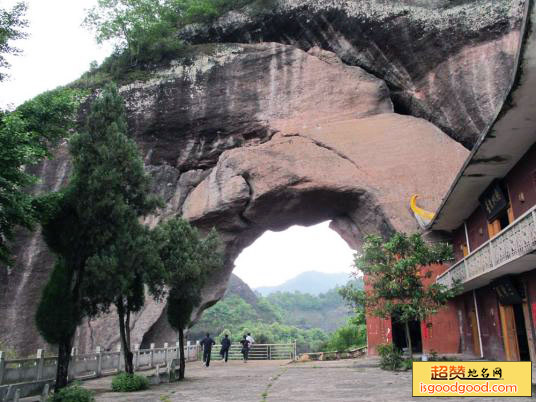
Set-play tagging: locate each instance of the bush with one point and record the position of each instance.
(74, 393)
(351, 335)
(407, 364)
(390, 357)
(434, 357)
(125, 382)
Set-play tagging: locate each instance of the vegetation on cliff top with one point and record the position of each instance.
(144, 33)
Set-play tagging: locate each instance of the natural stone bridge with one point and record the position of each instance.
(249, 137)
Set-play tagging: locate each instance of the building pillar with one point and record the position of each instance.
(478, 325)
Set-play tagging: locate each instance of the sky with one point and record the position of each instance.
(276, 257)
(59, 50)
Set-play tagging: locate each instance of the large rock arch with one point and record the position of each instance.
(248, 138)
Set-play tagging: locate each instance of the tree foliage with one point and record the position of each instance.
(147, 30)
(26, 136)
(92, 224)
(352, 334)
(12, 24)
(188, 259)
(395, 273)
(283, 317)
(58, 314)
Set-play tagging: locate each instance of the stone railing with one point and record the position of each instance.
(515, 241)
(91, 365)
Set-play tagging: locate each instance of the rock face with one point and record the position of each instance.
(449, 62)
(251, 137)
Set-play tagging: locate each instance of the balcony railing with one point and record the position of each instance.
(515, 241)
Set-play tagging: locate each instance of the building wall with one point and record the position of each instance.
(477, 229)
(490, 324)
(378, 332)
(522, 179)
(458, 239)
(440, 333)
(529, 279)
(465, 306)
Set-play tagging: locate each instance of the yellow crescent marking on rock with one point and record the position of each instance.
(419, 211)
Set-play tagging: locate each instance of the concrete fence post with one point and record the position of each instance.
(98, 370)
(119, 359)
(152, 355)
(178, 344)
(166, 346)
(2, 366)
(44, 394)
(72, 365)
(157, 374)
(136, 356)
(17, 395)
(40, 364)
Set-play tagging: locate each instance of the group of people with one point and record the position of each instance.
(247, 342)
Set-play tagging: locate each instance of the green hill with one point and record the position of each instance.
(311, 282)
(279, 317)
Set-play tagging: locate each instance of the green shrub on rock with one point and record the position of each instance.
(125, 382)
(74, 393)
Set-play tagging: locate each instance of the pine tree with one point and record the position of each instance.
(92, 226)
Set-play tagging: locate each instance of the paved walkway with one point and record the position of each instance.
(273, 381)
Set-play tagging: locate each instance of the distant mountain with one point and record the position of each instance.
(311, 282)
(239, 288)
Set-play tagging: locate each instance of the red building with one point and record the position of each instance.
(489, 216)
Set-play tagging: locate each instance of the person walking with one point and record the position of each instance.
(250, 339)
(225, 346)
(245, 348)
(207, 343)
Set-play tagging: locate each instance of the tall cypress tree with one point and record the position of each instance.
(93, 223)
(188, 260)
